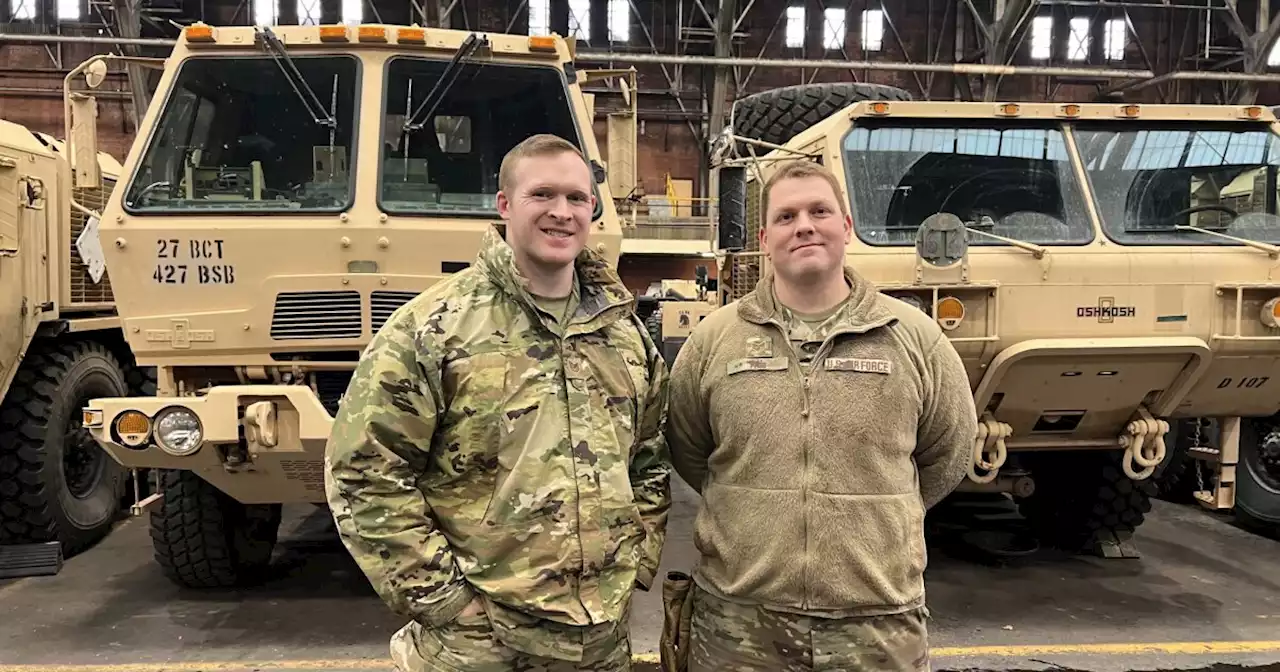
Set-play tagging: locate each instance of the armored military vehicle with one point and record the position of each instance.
(1106, 272)
(60, 346)
(290, 188)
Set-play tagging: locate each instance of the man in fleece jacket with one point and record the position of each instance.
(819, 420)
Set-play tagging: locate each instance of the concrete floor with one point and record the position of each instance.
(1206, 594)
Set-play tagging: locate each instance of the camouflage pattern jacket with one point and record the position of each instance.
(475, 451)
(817, 461)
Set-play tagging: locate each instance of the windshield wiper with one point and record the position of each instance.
(414, 122)
(308, 97)
(1035, 250)
(1271, 250)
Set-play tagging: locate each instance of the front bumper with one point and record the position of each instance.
(260, 444)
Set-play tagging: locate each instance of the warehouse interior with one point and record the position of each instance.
(691, 65)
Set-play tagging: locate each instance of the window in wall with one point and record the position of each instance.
(264, 12)
(22, 10)
(68, 10)
(795, 27)
(1114, 39)
(539, 17)
(352, 11)
(580, 19)
(308, 12)
(1041, 37)
(872, 29)
(833, 28)
(619, 21)
(1078, 40)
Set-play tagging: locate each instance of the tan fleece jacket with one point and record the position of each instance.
(814, 488)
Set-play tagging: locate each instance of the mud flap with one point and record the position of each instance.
(677, 610)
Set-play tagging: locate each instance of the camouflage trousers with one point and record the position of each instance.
(468, 644)
(728, 637)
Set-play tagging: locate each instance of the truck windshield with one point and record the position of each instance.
(236, 136)
(1148, 180)
(447, 160)
(1015, 182)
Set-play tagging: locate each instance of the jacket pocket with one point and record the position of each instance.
(865, 550)
(751, 542)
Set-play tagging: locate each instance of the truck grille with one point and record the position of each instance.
(82, 287)
(385, 302)
(316, 315)
(330, 386)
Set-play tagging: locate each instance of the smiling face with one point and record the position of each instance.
(806, 228)
(547, 201)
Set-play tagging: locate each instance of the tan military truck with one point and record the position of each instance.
(289, 189)
(60, 346)
(1107, 272)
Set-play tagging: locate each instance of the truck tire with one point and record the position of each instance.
(56, 483)
(1258, 473)
(777, 115)
(204, 539)
(1082, 498)
(653, 324)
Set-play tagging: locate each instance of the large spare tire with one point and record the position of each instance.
(777, 115)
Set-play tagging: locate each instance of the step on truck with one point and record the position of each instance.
(290, 188)
(1109, 273)
(61, 345)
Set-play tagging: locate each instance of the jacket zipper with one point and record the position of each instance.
(806, 415)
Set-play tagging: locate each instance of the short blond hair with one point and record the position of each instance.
(542, 144)
(799, 169)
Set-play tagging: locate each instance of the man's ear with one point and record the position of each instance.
(504, 205)
(848, 229)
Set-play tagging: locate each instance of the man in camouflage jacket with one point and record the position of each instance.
(498, 467)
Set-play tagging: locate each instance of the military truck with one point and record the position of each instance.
(61, 345)
(1107, 272)
(289, 189)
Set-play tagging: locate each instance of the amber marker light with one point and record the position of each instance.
(333, 34)
(371, 34)
(133, 428)
(411, 36)
(950, 312)
(198, 32)
(1271, 313)
(542, 43)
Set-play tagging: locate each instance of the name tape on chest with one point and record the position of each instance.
(758, 364)
(858, 365)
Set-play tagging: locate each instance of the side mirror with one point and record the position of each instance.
(84, 140)
(598, 172)
(941, 240)
(95, 74)
(731, 227)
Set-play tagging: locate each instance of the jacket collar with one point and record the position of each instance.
(600, 285)
(863, 310)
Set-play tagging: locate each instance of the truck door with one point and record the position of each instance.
(12, 275)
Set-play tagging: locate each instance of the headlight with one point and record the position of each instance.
(177, 431)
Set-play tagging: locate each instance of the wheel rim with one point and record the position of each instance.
(1268, 458)
(83, 462)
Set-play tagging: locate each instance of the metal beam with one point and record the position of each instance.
(661, 59)
(128, 26)
(957, 68)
